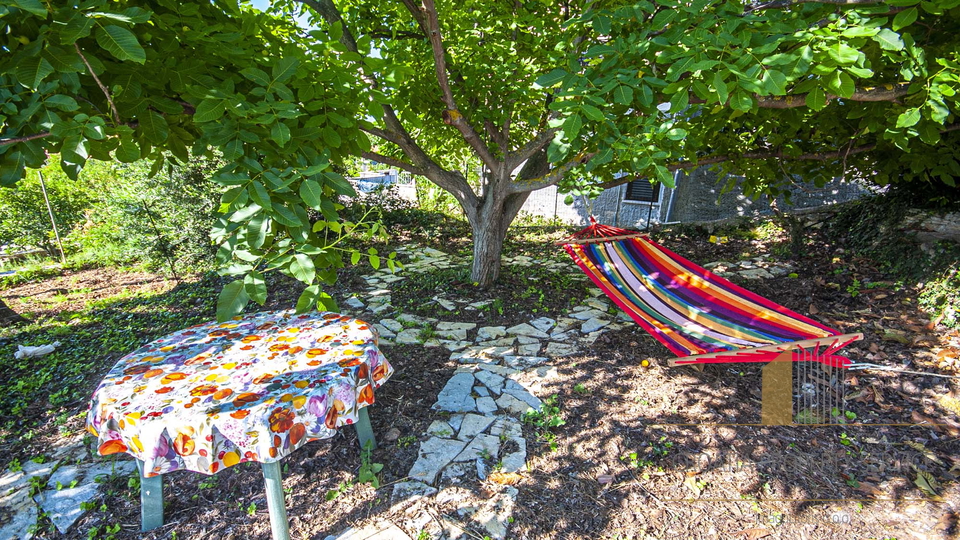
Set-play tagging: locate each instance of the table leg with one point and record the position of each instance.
(364, 429)
(278, 509)
(151, 500)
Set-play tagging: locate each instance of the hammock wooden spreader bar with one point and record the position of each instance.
(701, 317)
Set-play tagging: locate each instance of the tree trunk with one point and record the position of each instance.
(8, 316)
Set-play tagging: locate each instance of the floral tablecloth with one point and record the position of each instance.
(255, 388)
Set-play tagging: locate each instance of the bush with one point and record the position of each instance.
(163, 222)
(24, 220)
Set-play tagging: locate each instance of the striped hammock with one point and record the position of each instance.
(698, 315)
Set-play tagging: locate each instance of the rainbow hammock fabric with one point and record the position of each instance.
(701, 317)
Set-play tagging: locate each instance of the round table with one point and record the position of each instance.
(254, 388)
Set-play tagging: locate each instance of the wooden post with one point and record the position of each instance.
(364, 429)
(279, 526)
(777, 391)
(151, 500)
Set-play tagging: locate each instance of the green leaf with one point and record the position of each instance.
(244, 213)
(905, 18)
(840, 83)
(889, 40)
(260, 195)
(280, 133)
(154, 127)
(127, 151)
(210, 110)
(285, 216)
(257, 229)
(77, 26)
(908, 118)
(329, 303)
(302, 268)
(623, 94)
(774, 82)
(721, 87)
(312, 193)
(255, 286)
(817, 99)
(741, 101)
(331, 137)
(339, 185)
(284, 69)
(62, 102)
(572, 125)
(233, 298)
(33, 6)
(256, 75)
(676, 134)
(591, 112)
(355, 257)
(929, 133)
(121, 43)
(843, 54)
(550, 79)
(32, 71)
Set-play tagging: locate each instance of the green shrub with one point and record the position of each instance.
(24, 220)
(163, 222)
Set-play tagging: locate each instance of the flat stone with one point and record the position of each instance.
(758, 273)
(353, 302)
(499, 342)
(597, 303)
(529, 350)
(473, 355)
(516, 459)
(63, 506)
(555, 350)
(32, 468)
(588, 314)
(473, 425)
(65, 475)
(490, 332)
(481, 391)
(527, 340)
(499, 370)
(410, 336)
(513, 405)
(455, 395)
(440, 428)
(412, 490)
(456, 473)
(384, 331)
(593, 325)
(392, 324)
(11, 481)
(486, 405)
(455, 326)
(517, 390)
(565, 324)
(19, 515)
(524, 362)
(480, 446)
(525, 329)
(491, 380)
(479, 305)
(565, 336)
(381, 308)
(454, 346)
(392, 279)
(408, 318)
(380, 293)
(594, 291)
(455, 421)
(434, 454)
(590, 338)
(494, 513)
(444, 303)
(380, 530)
(543, 324)
(535, 380)
(456, 335)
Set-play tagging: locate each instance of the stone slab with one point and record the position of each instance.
(544, 324)
(379, 530)
(455, 395)
(434, 454)
(481, 446)
(491, 380)
(412, 490)
(524, 329)
(473, 425)
(22, 515)
(490, 332)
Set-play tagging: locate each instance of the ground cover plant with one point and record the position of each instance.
(626, 447)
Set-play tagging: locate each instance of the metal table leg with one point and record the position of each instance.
(278, 510)
(151, 500)
(364, 429)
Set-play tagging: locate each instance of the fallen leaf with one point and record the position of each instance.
(874, 348)
(895, 335)
(927, 483)
(606, 479)
(505, 479)
(870, 489)
(949, 352)
(813, 310)
(754, 534)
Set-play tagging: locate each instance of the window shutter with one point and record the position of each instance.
(641, 190)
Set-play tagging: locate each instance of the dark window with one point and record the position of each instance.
(642, 190)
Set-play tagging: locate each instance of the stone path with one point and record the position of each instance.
(57, 487)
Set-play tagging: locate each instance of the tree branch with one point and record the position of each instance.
(514, 159)
(551, 178)
(889, 92)
(452, 115)
(15, 140)
(106, 93)
(380, 158)
(331, 14)
(777, 4)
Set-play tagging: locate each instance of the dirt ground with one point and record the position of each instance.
(645, 451)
